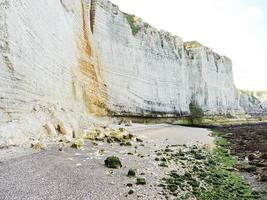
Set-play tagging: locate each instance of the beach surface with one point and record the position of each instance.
(81, 173)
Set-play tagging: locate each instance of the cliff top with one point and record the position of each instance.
(192, 44)
(138, 25)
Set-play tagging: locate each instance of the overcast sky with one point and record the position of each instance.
(235, 28)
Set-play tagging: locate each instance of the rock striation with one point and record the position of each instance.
(49, 68)
(62, 61)
(151, 72)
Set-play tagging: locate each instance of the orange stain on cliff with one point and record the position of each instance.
(88, 46)
(94, 91)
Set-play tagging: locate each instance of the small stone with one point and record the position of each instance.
(140, 181)
(113, 162)
(38, 145)
(121, 129)
(129, 185)
(127, 137)
(128, 144)
(77, 143)
(130, 192)
(95, 143)
(140, 155)
(131, 173)
(263, 176)
(109, 140)
(130, 136)
(163, 164)
(163, 159)
(139, 140)
(101, 151)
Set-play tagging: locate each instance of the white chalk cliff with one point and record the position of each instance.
(62, 59)
(153, 72)
(254, 103)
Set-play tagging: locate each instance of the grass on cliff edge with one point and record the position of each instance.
(209, 175)
(132, 22)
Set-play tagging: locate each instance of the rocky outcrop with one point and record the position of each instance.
(63, 60)
(254, 103)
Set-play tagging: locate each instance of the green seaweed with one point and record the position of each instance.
(209, 176)
(113, 162)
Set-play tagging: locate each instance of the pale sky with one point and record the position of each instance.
(235, 28)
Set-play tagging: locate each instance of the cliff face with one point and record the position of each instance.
(49, 69)
(87, 57)
(254, 103)
(153, 72)
(46, 55)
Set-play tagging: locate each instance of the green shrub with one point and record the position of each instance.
(196, 113)
(132, 22)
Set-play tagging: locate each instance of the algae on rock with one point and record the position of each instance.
(113, 162)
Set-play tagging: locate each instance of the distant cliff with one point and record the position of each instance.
(254, 103)
(86, 57)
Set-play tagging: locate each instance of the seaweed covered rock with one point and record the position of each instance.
(113, 162)
(140, 181)
(131, 173)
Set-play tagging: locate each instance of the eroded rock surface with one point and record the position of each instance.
(63, 60)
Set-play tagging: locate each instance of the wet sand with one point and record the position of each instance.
(180, 135)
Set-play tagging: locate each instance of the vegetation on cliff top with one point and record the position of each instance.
(133, 23)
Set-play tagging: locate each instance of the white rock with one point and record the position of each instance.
(51, 131)
(65, 129)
